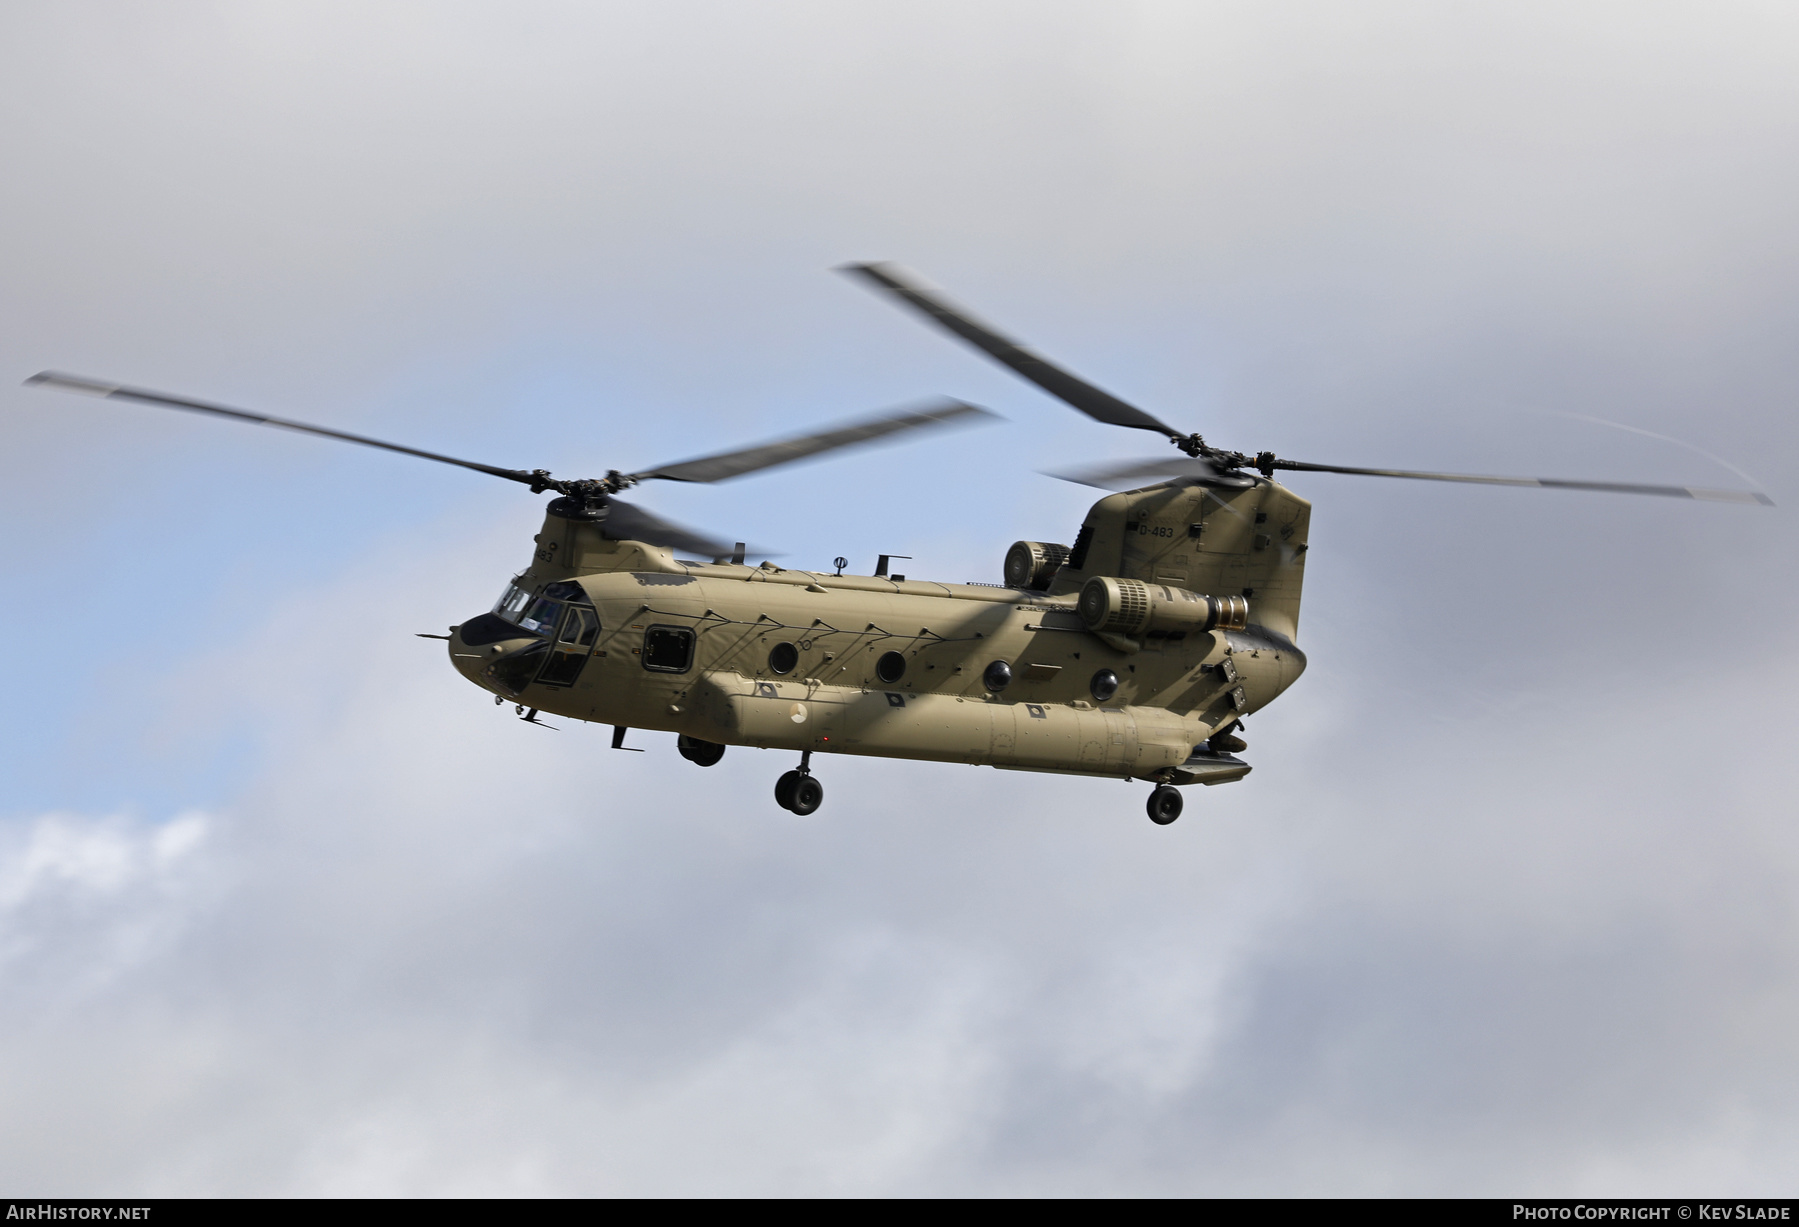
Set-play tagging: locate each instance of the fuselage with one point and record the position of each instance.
(622, 633)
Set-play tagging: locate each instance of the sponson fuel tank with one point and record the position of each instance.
(986, 730)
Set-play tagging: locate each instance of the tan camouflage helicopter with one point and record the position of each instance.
(1133, 653)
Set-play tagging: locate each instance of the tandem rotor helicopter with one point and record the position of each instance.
(1133, 652)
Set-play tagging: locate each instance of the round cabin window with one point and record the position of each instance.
(891, 667)
(997, 676)
(1104, 685)
(783, 657)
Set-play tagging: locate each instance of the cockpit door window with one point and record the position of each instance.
(579, 628)
(574, 641)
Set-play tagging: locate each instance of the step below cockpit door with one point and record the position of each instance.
(574, 641)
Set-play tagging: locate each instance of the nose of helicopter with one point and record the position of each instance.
(496, 655)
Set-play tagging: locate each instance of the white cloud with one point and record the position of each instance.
(63, 854)
(83, 901)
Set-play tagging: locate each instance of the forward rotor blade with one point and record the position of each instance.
(1131, 474)
(115, 391)
(1547, 483)
(726, 465)
(628, 522)
(1094, 402)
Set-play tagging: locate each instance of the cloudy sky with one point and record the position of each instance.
(1510, 904)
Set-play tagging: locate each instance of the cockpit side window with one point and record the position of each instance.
(541, 616)
(567, 590)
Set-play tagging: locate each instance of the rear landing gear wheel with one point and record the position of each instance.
(1165, 804)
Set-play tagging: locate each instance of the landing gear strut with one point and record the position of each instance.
(797, 791)
(1165, 804)
(1225, 741)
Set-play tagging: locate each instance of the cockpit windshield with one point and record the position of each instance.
(512, 602)
(566, 624)
(539, 614)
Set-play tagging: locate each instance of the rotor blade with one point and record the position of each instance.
(1548, 483)
(1130, 474)
(628, 522)
(95, 387)
(726, 465)
(1094, 402)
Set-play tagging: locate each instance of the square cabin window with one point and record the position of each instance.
(667, 649)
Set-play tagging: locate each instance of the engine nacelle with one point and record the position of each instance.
(1134, 609)
(1033, 564)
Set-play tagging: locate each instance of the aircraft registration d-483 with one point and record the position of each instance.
(1133, 651)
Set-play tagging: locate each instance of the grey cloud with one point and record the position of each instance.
(1507, 905)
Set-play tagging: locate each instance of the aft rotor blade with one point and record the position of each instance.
(726, 465)
(628, 522)
(1547, 483)
(116, 391)
(1094, 402)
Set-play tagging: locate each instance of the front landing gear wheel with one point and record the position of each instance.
(797, 791)
(703, 753)
(1165, 804)
(807, 796)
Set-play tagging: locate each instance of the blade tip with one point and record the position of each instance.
(953, 407)
(71, 383)
(884, 273)
(1732, 496)
(1075, 479)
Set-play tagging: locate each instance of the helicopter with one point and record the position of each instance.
(1133, 652)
